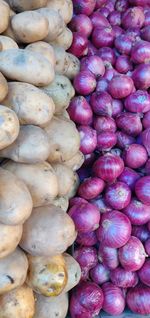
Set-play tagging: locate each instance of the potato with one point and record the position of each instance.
(64, 114)
(9, 238)
(18, 303)
(61, 60)
(73, 189)
(56, 23)
(45, 49)
(9, 32)
(47, 275)
(64, 39)
(61, 91)
(39, 178)
(13, 271)
(64, 139)
(29, 26)
(26, 66)
(65, 8)
(51, 307)
(65, 177)
(75, 162)
(24, 5)
(61, 202)
(3, 87)
(48, 227)
(74, 272)
(73, 66)
(4, 15)
(32, 106)
(7, 43)
(16, 203)
(9, 126)
(31, 146)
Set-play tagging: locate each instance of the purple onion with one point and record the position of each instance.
(146, 139)
(84, 83)
(142, 189)
(81, 23)
(146, 120)
(120, 86)
(147, 247)
(80, 111)
(91, 49)
(137, 212)
(114, 18)
(100, 274)
(122, 278)
(102, 85)
(118, 195)
(79, 44)
(129, 177)
(138, 101)
(114, 301)
(104, 123)
(100, 203)
(121, 5)
(123, 44)
(123, 64)
(88, 139)
(141, 76)
(93, 64)
(108, 256)
(117, 107)
(98, 20)
(90, 188)
(106, 140)
(129, 123)
(141, 232)
(107, 55)
(135, 156)
(101, 103)
(86, 239)
(133, 17)
(84, 7)
(103, 36)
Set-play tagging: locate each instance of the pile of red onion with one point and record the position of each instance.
(111, 109)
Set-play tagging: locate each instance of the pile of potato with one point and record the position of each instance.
(39, 154)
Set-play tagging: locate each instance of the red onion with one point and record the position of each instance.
(135, 156)
(138, 101)
(90, 188)
(147, 167)
(107, 55)
(141, 76)
(100, 3)
(137, 212)
(108, 256)
(81, 23)
(147, 247)
(146, 120)
(145, 33)
(122, 278)
(132, 255)
(79, 44)
(100, 203)
(94, 64)
(120, 86)
(133, 18)
(146, 139)
(141, 232)
(138, 299)
(129, 177)
(98, 20)
(102, 85)
(86, 217)
(104, 123)
(121, 5)
(115, 18)
(123, 44)
(76, 200)
(84, 6)
(114, 301)
(84, 83)
(141, 52)
(101, 103)
(144, 273)
(139, 2)
(114, 230)
(86, 300)
(147, 18)
(100, 274)
(117, 107)
(109, 73)
(124, 140)
(86, 239)
(108, 167)
(133, 34)
(142, 189)
(106, 140)
(88, 139)
(117, 30)
(80, 111)
(129, 123)
(123, 64)
(104, 11)
(86, 256)
(103, 36)
(91, 49)
(118, 195)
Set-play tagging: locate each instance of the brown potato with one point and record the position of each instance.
(13, 271)
(7, 43)
(75, 162)
(62, 202)
(50, 227)
(65, 177)
(39, 178)
(16, 202)
(64, 39)
(9, 127)
(24, 5)
(47, 275)
(74, 272)
(64, 7)
(31, 146)
(3, 87)
(45, 49)
(51, 307)
(18, 303)
(9, 238)
(4, 15)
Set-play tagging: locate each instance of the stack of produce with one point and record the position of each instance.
(112, 112)
(39, 151)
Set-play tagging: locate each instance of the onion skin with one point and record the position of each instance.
(86, 257)
(138, 101)
(98, 20)
(118, 195)
(122, 278)
(79, 45)
(104, 11)
(138, 299)
(90, 188)
(129, 123)
(101, 103)
(93, 64)
(135, 156)
(123, 44)
(114, 301)
(146, 139)
(84, 83)
(141, 76)
(133, 17)
(147, 167)
(120, 86)
(137, 212)
(100, 203)
(102, 85)
(117, 30)
(124, 140)
(103, 36)
(104, 123)
(129, 177)
(141, 52)
(108, 256)
(106, 140)
(142, 189)
(76, 200)
(86, 239)
(114, 230)
(91, 49)
(144, 273)
(88, 140)
(81, 23)
(141, 232)
(146, 120)
(147, 247)
(84, 7)
(100, 274)
(147, 18)
(107, 55)
(80, 111)
(114, 18)
(132, 255)
(123, 64)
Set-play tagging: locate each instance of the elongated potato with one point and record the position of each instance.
(9, 127)
(75, 162)
(26, 66)
(31, 146)
(9, 32)
(65, 8)
(9, 238)
(39, 178)
(47, 275)
(18, 303)
(74, 272)
(45, 49)
(64, 39)
(29, 26)
(32, 106)
(50, 227)
(3, 87)
(13, 271)
(7, 43)
(4, 15)
(61, 202)
(64, 140)
(24, 5)
(16, 203)
(51, 307)
(65, 177)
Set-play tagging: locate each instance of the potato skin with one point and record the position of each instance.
(13, 271)
(64, 7)
(9, 127)
(65, 177)
(18, 303)
(61, 202)
(32, 106)
(75, 162)
(39, 178)
(64, 39)
(74, 272)
(9, 238)
(7, 43)
(3, 87)
(51, 307)
(25, 5)
(9, 32)
(45, 49)
(47, 226)
(4, 15)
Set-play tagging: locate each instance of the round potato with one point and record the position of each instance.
(9, 238)
(64, 139)
(51, 307)
(18, 303)
(25, 5)
(39, 178)
(65, 177)
(74, 272)
(4, 15)
(64, 7)
(16, 203)
(32, 106)
(47, 275)
(3, 87)
(9, 32)
(62, 202)
(31, 146)
(9, 127)
(64, 39)
(75, 162)
(26, 66)
(13, 271)
(50, 227)
(45, 49)
(29, 26)
(7, 43)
